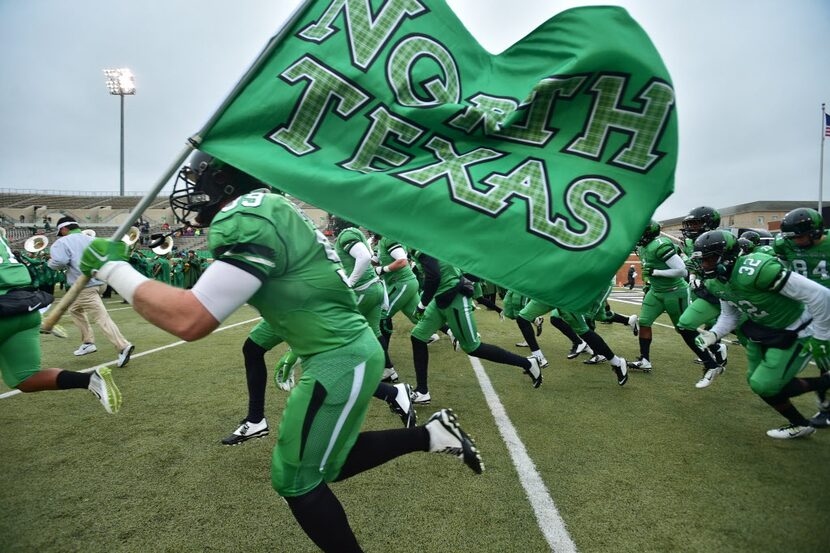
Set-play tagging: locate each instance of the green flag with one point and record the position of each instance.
(536, 169)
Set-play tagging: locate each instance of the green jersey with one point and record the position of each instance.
(753, 288)
(808, 262)
(13, 274)
(304, 296)
(449, 274)
(385, 247)
(163, 274)
(654, 255)
(346, 240)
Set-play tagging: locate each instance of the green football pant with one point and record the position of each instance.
(700, 312)
(770, 369)
(19, 347)
(513, 304)
(403, 296)
(323, 415)
(656, 303)
(264, 336)
(370, 303)
(458, 316)
(535, 309)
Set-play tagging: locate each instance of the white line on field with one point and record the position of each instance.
(143, 353)
(547, 515)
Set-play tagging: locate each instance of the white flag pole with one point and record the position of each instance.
(821, 163)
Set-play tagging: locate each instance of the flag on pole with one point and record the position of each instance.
(537, 168)
(827, 124)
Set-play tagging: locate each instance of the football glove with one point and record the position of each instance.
(419, 311)
(101, 251)
(821, 352)
(284, 372)
(706, 338)
(647, 272)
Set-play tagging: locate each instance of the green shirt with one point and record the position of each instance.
(449, 274)
(164, 271)
(304, 296)
(753, 288)
(13, 274)
(808, 262)
(385, 247)
(344, 243)
(654, 255)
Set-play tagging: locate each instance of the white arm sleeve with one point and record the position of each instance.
(817, 299)
(362, 259)
(58, 256)
(677, 270)
(727, 320)
(219, 298)
(398, 253)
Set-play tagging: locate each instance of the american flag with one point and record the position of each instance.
(827, 124)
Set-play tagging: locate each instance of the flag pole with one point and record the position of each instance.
(821, 163)
(193, 142)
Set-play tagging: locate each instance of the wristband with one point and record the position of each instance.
(122, 277)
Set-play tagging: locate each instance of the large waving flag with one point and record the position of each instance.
(536, 169)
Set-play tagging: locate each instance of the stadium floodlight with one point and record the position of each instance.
(121, 82)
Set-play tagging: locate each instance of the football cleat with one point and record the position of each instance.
(521, 344)
(85, 349)
(720, 354)
(790, 431)
(501, 316)
(103, 387)
(389, 375)
(698, 361)
(634, 323)
(420, 399)
(124, 355)
(446, 436)
(541, 359)
(709, 376)
(433, 338)
(576, 349)
(621, 371)
(821, 419)
(539, 321)
(641, 364)
(402, 405)
(595, 359)
(247, 431)
(535, 371)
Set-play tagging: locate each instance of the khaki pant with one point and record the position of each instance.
(87, 308)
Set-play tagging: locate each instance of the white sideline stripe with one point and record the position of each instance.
(547, 515)
(142, 354)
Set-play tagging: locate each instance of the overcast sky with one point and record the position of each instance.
(749, 77)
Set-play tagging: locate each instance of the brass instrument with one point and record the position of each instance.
(132, 236)
(36, 243)
(165, 247)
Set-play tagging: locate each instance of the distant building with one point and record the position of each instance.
(760, 215)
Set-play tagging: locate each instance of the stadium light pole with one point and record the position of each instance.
(121, 82)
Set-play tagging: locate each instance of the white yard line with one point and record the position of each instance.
(547, 515)
(143, 353)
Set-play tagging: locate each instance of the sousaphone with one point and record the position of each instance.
(36, 243)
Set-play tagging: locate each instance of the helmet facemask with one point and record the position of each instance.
(716, 252)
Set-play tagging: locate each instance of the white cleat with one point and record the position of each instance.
(446, 436)
(521, 344)
(389, 375)
(420, 399)
(103, 387)
(634, 323)
(709, 376)
(535, 371)
(433, 338)
(790, 431)
(85, 349)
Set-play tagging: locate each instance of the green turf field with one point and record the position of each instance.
(655, 466)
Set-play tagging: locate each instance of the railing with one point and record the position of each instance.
(48, 192)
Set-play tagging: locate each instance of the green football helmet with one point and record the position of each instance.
(802, 221)
(748, 241)
(716, 251)
(651, 232)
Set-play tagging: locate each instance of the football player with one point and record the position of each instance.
(279, 262)
(750, 242)
(787, 317)
(447, 300)
(666, 291)
(804, 248)
(20, 339)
